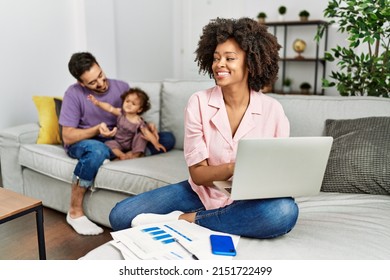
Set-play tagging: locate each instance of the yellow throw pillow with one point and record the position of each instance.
(49, 132)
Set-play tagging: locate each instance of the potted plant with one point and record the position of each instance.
(282, 11)
(304, 15)
(261, 17)
(305, 88)
(287, 85)
(364, 65)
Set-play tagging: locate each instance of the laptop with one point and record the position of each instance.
(278, 167)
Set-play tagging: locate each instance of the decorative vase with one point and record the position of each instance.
(299, 46)
(286, 89)
(305, 91)
(304, 18)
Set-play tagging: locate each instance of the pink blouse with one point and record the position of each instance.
(208, 135)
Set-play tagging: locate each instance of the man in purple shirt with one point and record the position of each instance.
(85, 128)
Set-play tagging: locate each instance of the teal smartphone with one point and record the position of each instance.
(222, 245)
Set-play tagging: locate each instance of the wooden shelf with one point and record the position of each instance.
(295, 22)
(310, 59)
(295, 93)
(317, 60)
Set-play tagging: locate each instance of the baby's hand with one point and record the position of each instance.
(153, 129)
(147, 134)
(93, 99)
(158, 146)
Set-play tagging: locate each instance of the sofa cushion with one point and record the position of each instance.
(359, 160)
(139, 175)
(153, 90)
(307, 114)
(331, 226)
(48, 121)
(175, 95)
(58, 106)
(129, 176)
(50, 160)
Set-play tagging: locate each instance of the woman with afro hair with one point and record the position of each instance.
(242, 57)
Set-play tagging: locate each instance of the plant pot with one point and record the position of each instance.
(261, 20)
(286, 89)
(304, 18)
(305, 91)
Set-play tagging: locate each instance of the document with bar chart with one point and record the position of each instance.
(174, 240)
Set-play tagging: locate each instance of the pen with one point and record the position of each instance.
(188, 251)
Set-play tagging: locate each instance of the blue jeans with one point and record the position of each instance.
(263, 218)
(92, 152)
(167, 139)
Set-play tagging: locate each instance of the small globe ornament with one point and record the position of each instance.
(299, 46)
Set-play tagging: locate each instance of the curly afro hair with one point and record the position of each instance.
(260, 46)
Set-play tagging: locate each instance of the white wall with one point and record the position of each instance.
(97, 21)
(36, 41)
(195, 14)
(132, 40)
(299, 72)
(144, 39)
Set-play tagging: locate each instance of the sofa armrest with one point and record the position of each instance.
(10, 142)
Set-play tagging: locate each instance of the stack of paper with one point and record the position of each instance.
(158, 241)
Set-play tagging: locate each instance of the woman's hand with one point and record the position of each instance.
(204, 174)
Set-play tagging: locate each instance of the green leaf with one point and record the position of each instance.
(329, 57)
(366, 24)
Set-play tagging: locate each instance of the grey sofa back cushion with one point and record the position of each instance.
(307, 114)
(153, 89)
(175, 95)
(359, 161)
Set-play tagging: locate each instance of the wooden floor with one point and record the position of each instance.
(18, 238)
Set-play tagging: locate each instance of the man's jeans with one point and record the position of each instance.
(265, 218)
(91, 154)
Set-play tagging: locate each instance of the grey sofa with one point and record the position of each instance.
(331, 225)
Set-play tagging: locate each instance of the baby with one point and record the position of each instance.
(132, 131)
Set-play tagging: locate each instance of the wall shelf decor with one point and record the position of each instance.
(315, 61)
